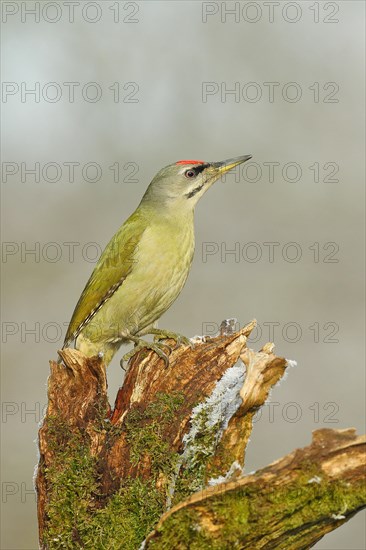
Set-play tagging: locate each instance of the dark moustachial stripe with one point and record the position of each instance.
(194, 191)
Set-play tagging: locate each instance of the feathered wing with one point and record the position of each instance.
(114, 265)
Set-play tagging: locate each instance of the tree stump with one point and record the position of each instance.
(164, 467)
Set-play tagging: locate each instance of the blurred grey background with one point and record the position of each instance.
(161, 75)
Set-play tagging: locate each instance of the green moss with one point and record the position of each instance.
(75, 516)
(72, 486)
(247, 517)
(79, 517)
(128, 517)
(145, 433)
(185, 528)
(124, 522)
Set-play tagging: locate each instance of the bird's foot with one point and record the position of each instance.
(162, 334)
(141, 344)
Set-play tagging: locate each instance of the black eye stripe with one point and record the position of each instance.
(198, 169)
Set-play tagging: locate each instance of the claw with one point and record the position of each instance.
(159, 342)
(141, 344)
(157, 345)
(161, 334)
(161, 353)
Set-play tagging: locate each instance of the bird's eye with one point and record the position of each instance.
(190, 173)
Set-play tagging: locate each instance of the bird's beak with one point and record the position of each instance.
(226, 165)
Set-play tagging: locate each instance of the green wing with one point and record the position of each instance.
(114, 265)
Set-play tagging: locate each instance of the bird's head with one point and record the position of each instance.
(183, 183)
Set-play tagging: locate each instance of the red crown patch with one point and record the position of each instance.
(190, 162)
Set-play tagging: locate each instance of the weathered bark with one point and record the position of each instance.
(106, 477)
(290, 504)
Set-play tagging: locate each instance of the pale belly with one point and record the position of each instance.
(157, 278)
